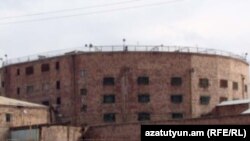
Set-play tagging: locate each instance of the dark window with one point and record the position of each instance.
(83, 91)
(223, 99)
(176, 99)
(143, 80)
(245, 88)
(235, 86)
(2, 84)
(143, 98)
(177, 115)
(58, 101)
(176, 81)
(8, 117)
(109, 117)
(203, 82)
(45, 67)
(46, 103)
(58, 85)
(143, 116)
(18, 72)
(204, 100)
(57, 65)
(108, 81)
(29, 70)
(84, 108)
(18, 90)
(109, 99)
(29, 89)
(223, 83)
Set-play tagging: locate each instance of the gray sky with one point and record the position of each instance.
(218, 24)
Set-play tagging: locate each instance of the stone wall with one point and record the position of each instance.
(60, 133)
(87, 70)
(4, 132)
(216, 68)
(14, 116)
(23, 116)
(132, 132)
(229, 110)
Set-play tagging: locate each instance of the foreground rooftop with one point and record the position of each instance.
(234, 102)
(4, 101)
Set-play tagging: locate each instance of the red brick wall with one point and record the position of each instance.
(131, 131)
(126, 67)
(38, 79)
(229, 110)
(216, 68)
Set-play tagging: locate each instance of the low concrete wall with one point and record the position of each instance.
(124, 132)
(131, 131)
(60, 133)
(3, 133)
(228, 110)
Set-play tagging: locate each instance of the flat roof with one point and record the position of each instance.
(4, 101)
(234, 102)
(127, 48)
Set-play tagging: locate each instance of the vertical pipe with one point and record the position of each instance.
(74, 99)
(243, 86)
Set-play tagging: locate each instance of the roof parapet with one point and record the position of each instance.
(127, 48)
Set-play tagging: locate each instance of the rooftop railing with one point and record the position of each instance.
(128, 48)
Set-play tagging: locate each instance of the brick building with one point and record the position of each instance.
(25, 121)
(128, 86)
(15, 113)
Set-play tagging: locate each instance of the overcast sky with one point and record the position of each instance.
(218, 24)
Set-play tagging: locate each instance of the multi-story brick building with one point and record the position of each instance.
(127, 86)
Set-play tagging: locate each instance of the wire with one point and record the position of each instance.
(67, 10)
(95, 12)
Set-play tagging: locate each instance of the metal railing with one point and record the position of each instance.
(128, 48)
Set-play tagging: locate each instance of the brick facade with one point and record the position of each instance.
(20, 115)
(96, 88)
(132, 131)
(23, 116)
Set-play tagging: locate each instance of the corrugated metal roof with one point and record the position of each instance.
(13, 102)
(234, 102)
